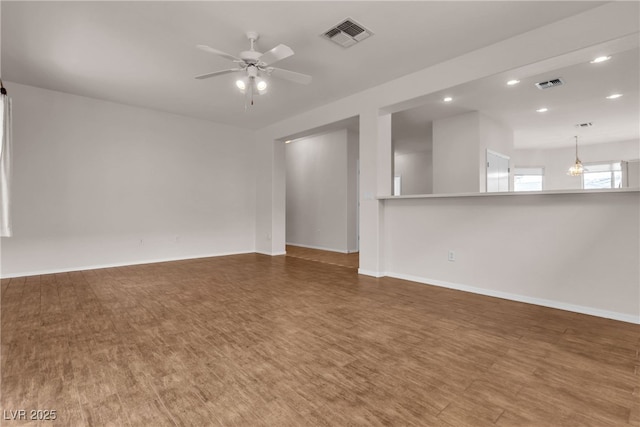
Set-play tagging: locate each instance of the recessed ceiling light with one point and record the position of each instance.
(542, 110)
(288, 142)
(448, 99)
(513, 82)
(614, 96)
(600, 59)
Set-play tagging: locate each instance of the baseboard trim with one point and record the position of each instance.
(520, 298)
(121, 264)
(322, 248)
(271, 253)
(456, 286)
(370, 273)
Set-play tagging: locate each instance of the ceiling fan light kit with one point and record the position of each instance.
(254, 66)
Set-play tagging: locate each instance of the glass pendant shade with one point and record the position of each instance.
(577, 169)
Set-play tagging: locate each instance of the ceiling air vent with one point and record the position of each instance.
(550, 83)
(347, 33)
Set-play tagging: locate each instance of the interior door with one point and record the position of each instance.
(497, 172)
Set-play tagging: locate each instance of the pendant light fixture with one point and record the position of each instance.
(577, 169)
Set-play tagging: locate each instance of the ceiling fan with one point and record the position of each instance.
(253, 65)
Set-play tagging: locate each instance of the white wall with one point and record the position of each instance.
(416, 172)
(456, 154)
(460, 145)
(92, 179)
(377, 219)
(557, 161)
(607, 22)
(321, 191)
(633, 174)
(574, 251)
(413, 156)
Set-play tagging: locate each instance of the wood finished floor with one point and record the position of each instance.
(351, 260)
(252, 340)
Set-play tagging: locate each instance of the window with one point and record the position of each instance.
(602, 175)
(528, 179)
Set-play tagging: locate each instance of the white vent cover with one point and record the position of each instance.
(347, 33)
(550, 83)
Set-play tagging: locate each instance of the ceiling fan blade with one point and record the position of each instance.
(291, 76)
(217, 73)
(276, 54)
(218, 52)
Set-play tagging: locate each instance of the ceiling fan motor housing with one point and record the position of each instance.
(250, 56)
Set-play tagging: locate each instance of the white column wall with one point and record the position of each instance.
(270, 184)
(374, 133)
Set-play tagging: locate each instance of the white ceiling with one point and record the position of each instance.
(581, 99)
(143, 53)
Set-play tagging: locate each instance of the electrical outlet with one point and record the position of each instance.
(451, 256)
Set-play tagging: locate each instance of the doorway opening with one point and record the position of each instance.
(322, 195)
(497, 172)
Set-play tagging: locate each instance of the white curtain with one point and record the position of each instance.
(5, 168)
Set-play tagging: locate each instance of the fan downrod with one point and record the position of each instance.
(251, 56)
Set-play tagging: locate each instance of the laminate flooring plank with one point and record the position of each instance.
(302, 340)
